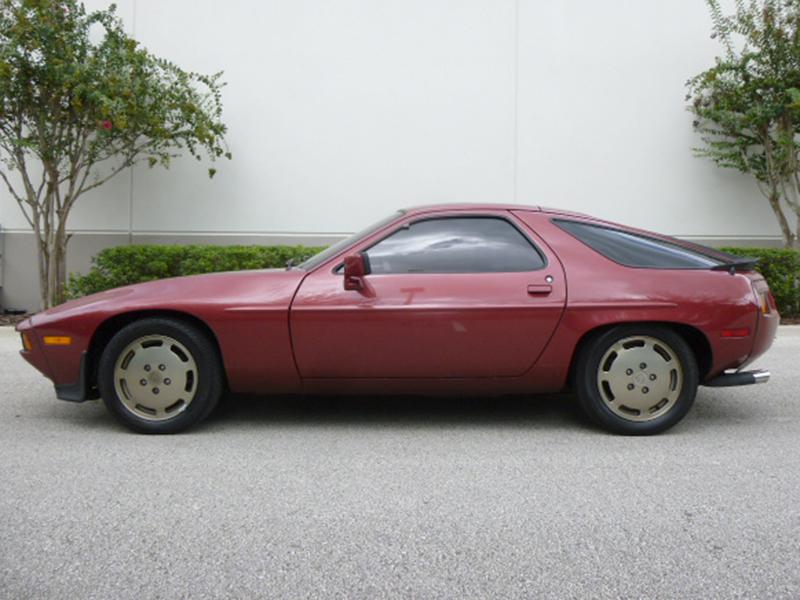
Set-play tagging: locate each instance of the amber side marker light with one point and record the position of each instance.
(764, 302)
(26, 343)
(57, 340)
(736, 333)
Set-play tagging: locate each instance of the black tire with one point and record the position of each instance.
(160, 375)
(636, 379)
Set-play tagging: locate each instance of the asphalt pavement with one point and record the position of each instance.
(401, 498)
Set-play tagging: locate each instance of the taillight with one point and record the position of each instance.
(765, 301)
(742, 332)
(771, 300)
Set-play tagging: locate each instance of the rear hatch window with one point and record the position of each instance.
(638, 250)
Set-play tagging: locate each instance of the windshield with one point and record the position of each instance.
(332, 251)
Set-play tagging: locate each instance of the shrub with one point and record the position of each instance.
(781, 269)
(126, 265)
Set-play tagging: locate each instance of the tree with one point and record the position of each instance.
(747, 106)
(80, 102)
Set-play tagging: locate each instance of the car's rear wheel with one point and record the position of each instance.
(160, 375)
(636, 379)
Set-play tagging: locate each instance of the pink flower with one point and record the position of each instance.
(107, 125)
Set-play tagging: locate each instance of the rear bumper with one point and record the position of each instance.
(739, 378)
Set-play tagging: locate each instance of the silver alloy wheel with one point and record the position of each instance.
(640, 378)
(155, 377)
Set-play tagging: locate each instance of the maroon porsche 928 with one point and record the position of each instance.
(437, 300)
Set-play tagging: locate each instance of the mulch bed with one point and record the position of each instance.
(6, 319)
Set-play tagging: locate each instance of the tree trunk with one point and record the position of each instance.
(60, 250)
(796, 243)
(51, 245)
(43, 255)
(789, 239)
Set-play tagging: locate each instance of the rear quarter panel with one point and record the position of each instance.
(601, 293)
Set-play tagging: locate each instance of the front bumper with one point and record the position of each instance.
(80, 391)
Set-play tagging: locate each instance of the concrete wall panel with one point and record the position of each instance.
(340, 112)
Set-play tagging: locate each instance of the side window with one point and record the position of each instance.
(641, 251)
(455, 245)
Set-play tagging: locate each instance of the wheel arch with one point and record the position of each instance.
(108, 328)
(698, 342)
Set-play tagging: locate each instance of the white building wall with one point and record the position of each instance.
(339, 112)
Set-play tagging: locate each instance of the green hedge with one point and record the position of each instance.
(125, 265)
(781, 269)
(115, 267)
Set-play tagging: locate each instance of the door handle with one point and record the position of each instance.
(540, 290)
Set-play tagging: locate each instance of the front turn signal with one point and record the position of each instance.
(26, 343)
(57, 340)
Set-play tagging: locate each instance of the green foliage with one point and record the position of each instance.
(126, 265)
(747, 106)
(72, 103)
(781, 269)
(81, 101)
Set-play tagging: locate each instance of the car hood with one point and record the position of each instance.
(199, 294)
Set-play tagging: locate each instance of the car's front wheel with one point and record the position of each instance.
(636, 379)
(160, 375)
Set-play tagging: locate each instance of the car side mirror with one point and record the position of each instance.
(356, 267)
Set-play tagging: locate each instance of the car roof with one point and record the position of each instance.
(467, 206)
(478, 206)
(550, 212)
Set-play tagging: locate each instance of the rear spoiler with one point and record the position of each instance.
(737, 263)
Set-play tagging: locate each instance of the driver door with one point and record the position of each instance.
(446, 296)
